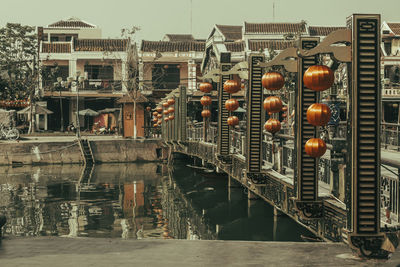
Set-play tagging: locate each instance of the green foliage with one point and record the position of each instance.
(18, 66)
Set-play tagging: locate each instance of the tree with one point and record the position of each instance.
(18, 62)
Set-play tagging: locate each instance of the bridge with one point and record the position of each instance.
(350, 193)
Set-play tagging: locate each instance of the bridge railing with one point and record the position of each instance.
(390, 136)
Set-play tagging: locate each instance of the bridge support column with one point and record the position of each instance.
(182, 113)
(255, 120)
(307, 202)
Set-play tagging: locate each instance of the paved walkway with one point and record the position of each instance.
(59, 251)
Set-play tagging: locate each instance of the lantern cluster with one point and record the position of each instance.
(273, 104)
(232, 87)
(206, 100)
(317, 78)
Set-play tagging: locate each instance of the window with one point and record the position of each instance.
(50, 74)
(99, 72)
(388, 48)
(165, 76)
(53, 38)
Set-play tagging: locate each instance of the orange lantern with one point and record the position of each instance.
(232, 86)
(155, 119)
(155, 125)
(171, 110)
(159, 109)
(233, 121)
(159, 116)
(155, 113)
(165, 104)
(206, 113)
(272, 126)
(148, 109)
(318, 78)
(166, 119)
(206, 87)
(171, 117)
(284, 108)
(315, 147)
(171, 101)
(273, 80)
(206, 100)
(318, 114)
(231, 104)
(273, 104)
(165, 112)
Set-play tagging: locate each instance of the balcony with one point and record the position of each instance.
(391, 90)
(91, 85)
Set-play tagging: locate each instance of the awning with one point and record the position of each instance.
(36, 110)
(88, 112)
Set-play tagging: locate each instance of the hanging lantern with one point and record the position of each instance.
(155, 113)
(206, 113)
(284, 115)
(159, 116)
(233, 121)
(155, 119)
(171, 117)
(159, 122)
(318, 78)
(171, 110)
(206, 87)
(165, 104)
(155, 125)
(171, 101)
(159, 109)
(284, 108)
(272, 126)
(148, 109)
(165, 112)
(231, 104)
(273, 104)
(206, 100)
(318, 114)
(232, 86)
(166, 119)
(165, 66)
(315, 147)
(273, 80)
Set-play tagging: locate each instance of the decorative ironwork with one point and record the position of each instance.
(368, 246)
(256, 178)
(310, 209)
(223, 114)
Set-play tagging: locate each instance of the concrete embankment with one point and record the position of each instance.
(43, 151)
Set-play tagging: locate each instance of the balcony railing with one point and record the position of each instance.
(98, 85)
(390, 136)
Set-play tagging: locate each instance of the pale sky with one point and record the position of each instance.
(158, 17)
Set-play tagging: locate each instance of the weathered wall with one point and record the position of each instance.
(105, 151)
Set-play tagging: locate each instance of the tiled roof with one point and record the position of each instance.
(179, 37)
(256, 45)
(230, 32)
(274, 28)
(323, 30)
(395, 27)
(56, 48)
(100, 44)
(235, 46)
(71, 23)
(164, 46)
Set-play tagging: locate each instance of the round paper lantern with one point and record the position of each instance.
(155, 113)
(206, 100)
(165, 104)
(233, 121)
(171, 110)
(318, 114)
(159, 122)
(155, 119)
(155, 125)
(318, 78)
(171, 101)
(206, 113)
(206, 87)
(159, 109)
(159, 116)
(272, 126)
(166, 119)
(171, 117)
(284, 115)
(273, 80)
(232, 86)
(148, 109)
(165, 112)
(231, 104)
(273, 104)
(284, 108)
(315, 147)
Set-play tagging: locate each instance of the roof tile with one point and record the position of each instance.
(100, 44)
(274, 28)
(235, 46)
(180, 37)
(395, 27)
(322, 30)
(231, 33)
(257, 45)
(165, 46)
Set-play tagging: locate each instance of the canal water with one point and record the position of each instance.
(137, 201)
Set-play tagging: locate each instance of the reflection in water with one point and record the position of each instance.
(134, 201)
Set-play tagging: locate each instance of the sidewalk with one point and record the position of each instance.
(60, 251)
